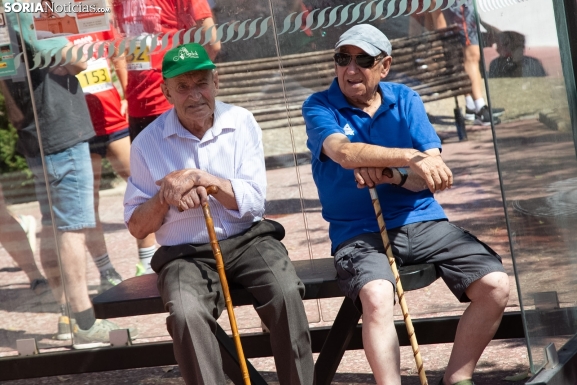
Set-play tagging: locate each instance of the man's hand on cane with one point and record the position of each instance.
(431, 167)
(196, 197)
(176, 185)
(373, 176)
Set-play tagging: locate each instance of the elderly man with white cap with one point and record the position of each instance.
(364, 132)
(199, 143)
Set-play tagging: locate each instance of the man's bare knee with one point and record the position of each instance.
(377, 298)
(493, 288)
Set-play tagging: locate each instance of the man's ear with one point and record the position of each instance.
(215, 80)
(386, 66)
(166, 91)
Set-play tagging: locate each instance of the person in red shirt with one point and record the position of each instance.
(108, 112)
(141, 19)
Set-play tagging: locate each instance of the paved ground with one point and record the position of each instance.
(475, 203)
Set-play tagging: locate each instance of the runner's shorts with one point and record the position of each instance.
(464, 17)
(99, 144)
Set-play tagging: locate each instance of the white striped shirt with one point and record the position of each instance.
(231, 149)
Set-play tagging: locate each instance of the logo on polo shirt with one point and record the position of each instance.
(348, 130)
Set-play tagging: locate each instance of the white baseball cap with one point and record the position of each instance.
(368, 38)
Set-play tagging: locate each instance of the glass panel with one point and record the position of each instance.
(54, 125)
(253, 35)
(106, 83)
(537, 163)
(249, 77)
(425, 59)
(29, 307)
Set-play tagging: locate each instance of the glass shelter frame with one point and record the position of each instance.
(280, 51)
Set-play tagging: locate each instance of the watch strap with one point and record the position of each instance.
(404, 176)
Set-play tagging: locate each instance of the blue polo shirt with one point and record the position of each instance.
(401, 122)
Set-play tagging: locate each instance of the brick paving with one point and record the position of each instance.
(474, 203)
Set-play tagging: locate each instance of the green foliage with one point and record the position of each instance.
(15, 176)
(10, 161)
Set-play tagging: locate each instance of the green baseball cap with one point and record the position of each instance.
(184, 58)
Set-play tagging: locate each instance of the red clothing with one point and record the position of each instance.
(144, 17)
(102, 97)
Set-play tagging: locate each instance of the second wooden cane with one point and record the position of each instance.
(400, 292)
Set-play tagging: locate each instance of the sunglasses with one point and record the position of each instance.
(363, 60)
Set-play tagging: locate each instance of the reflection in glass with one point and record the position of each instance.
(53, 126)
(273, 89)
(537, 164)
(420, 62)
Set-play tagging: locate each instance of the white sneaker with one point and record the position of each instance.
(28, 223)
(98, 334)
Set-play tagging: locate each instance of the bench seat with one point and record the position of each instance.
(139, 295)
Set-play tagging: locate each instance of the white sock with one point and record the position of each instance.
(103, 263)
(145, 255)
(469, 102)
(479, 103)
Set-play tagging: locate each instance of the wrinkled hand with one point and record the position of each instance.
(196, 197)
(433, 170)
(177, 184)
(372, 176)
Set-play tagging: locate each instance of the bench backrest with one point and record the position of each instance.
(430, 63)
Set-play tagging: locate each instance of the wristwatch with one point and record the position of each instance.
(404, 176)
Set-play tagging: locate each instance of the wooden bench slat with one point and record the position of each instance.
(139, 295)
(431, 64)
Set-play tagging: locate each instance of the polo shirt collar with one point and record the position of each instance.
(389, 97)
(222, 120)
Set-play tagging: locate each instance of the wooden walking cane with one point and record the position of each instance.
(211, 190)
(400, 292)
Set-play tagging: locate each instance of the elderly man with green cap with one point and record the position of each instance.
(198, 143)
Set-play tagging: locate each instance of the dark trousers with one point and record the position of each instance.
(192, 294)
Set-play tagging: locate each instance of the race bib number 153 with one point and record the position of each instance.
(94, 80)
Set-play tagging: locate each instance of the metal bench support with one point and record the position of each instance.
(337, 342)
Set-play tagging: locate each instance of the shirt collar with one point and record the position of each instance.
(222, 120)
(339, 101)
